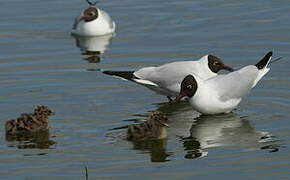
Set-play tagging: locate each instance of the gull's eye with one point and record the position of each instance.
(90, 13)
(216, 63)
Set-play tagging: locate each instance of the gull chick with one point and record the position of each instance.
(29, 122)
(153, 128)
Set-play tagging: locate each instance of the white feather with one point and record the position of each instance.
(103, 25)
(168, 77)
(223, 93)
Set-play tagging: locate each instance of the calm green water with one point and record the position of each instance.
(41, 64)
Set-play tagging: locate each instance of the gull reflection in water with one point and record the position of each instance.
(227, 130)
(181, 117)
(93, 47)
(36, 140)
(199, 133)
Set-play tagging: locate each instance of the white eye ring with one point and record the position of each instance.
(217, 63)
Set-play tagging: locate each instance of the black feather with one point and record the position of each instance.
(92, 3)
(129, 75)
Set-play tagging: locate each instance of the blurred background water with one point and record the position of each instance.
(40, 63)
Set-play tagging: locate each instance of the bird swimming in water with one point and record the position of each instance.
(29, 122)
(93, 22)
(153, 128)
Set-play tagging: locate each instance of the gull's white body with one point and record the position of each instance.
(223, 93)
(103, 25)
(166, 79)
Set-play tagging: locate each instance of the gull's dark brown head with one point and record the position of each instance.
(89, 14)
(188, 87)
(215, 64)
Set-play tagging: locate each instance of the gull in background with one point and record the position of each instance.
(93, 22)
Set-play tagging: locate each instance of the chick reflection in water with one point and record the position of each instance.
(34, 140)
(93, 46)
(228, 130)
(151, 135)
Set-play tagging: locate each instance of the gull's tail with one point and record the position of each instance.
(262, 67)
(129, 75)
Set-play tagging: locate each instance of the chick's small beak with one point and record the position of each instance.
(164, 124)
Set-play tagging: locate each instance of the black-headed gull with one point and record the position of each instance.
(93, 22)
(222, 93)
(166, 79)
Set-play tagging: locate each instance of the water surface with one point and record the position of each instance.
(41, 63)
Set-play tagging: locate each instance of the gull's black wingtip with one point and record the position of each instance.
(129, 75)
(263, 62)
(269, 54)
